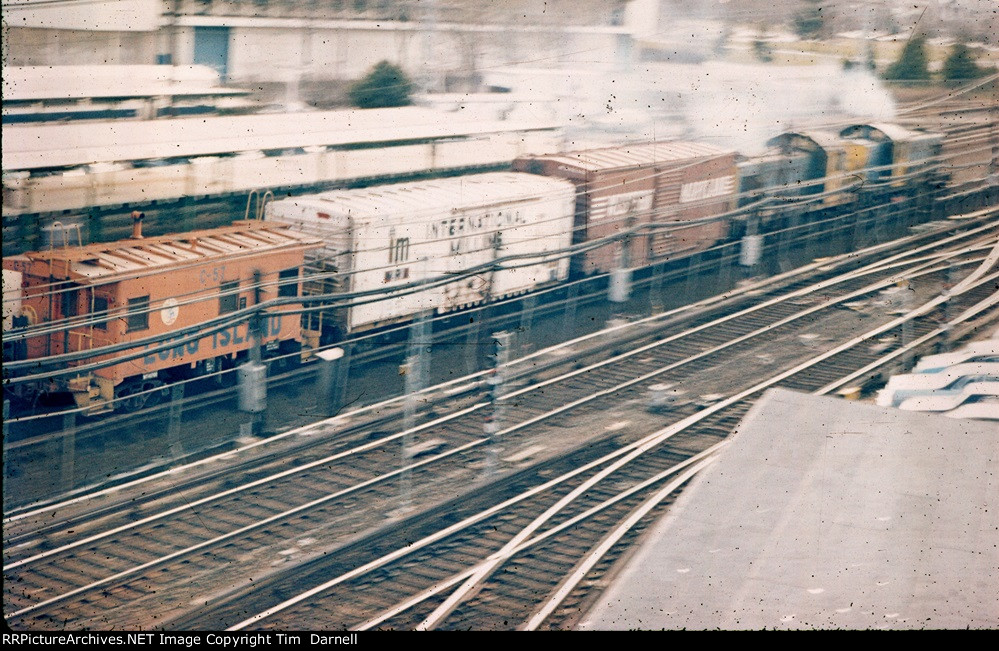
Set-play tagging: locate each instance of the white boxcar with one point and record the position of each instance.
(393, 235)
(11, 297)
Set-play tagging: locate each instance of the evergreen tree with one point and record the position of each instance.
(386, 85)
(763, 50)
(869, 61)
(960, 64)
(808, 22)
(911, 64)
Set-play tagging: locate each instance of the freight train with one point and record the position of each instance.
(393, 252)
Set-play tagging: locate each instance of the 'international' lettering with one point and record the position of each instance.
(468, 224)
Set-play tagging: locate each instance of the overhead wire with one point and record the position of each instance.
(177, 338)
(652, 214)
(305, 278)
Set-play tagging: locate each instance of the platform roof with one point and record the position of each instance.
(825, 514)
(46, 146)
(25, 84)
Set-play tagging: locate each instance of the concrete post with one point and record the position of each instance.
(496, 381)
(415, 369)
(68, 450)
(329, 390)
(569, 316)
(176, 418)
(526, 321)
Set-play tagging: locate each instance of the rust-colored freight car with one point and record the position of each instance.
(131, 290)
(662, 183)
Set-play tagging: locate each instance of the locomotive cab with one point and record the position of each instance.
(834, 162)
(903, 150)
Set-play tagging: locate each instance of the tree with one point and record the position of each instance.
(869, 59)
(867, 63)
(960, 64)
(911, 64)
(762, 50)
(808, 22)
(386, 85)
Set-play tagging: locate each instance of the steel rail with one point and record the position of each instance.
(870, 269)
(278, 516)
(475, 576)
(529, 359)
(633, 451)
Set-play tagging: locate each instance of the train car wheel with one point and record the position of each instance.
(155, 396)
(286, 358)
(128, 399)
(132, 396)
(282, 364)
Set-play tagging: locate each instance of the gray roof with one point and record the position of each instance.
(110, 81)
(824, 514)
(900, 133)
(420, 201)
(634, 155)
(32, 146)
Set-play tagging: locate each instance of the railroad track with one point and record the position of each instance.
(109, 560)
(698, 270)
(537, 550)
(114, 440)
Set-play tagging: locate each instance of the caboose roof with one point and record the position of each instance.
(625, 156)
(108, 261)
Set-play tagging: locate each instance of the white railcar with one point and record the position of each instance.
(367, 163)
(940, 400)
(974, 352)
(390, 236)
(11, 297)
(107, 184)
(949, 380)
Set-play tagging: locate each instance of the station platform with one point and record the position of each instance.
(825, 514)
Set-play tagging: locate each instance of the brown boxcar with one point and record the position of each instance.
(130, 290)
(663, 183)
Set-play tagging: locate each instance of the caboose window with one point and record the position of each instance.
(288, 282)
(100, 313)
(69, 303)
(229, 297)
(138, 313)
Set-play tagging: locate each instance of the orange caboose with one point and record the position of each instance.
(141, 288)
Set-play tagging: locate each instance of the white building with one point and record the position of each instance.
(443, 43)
